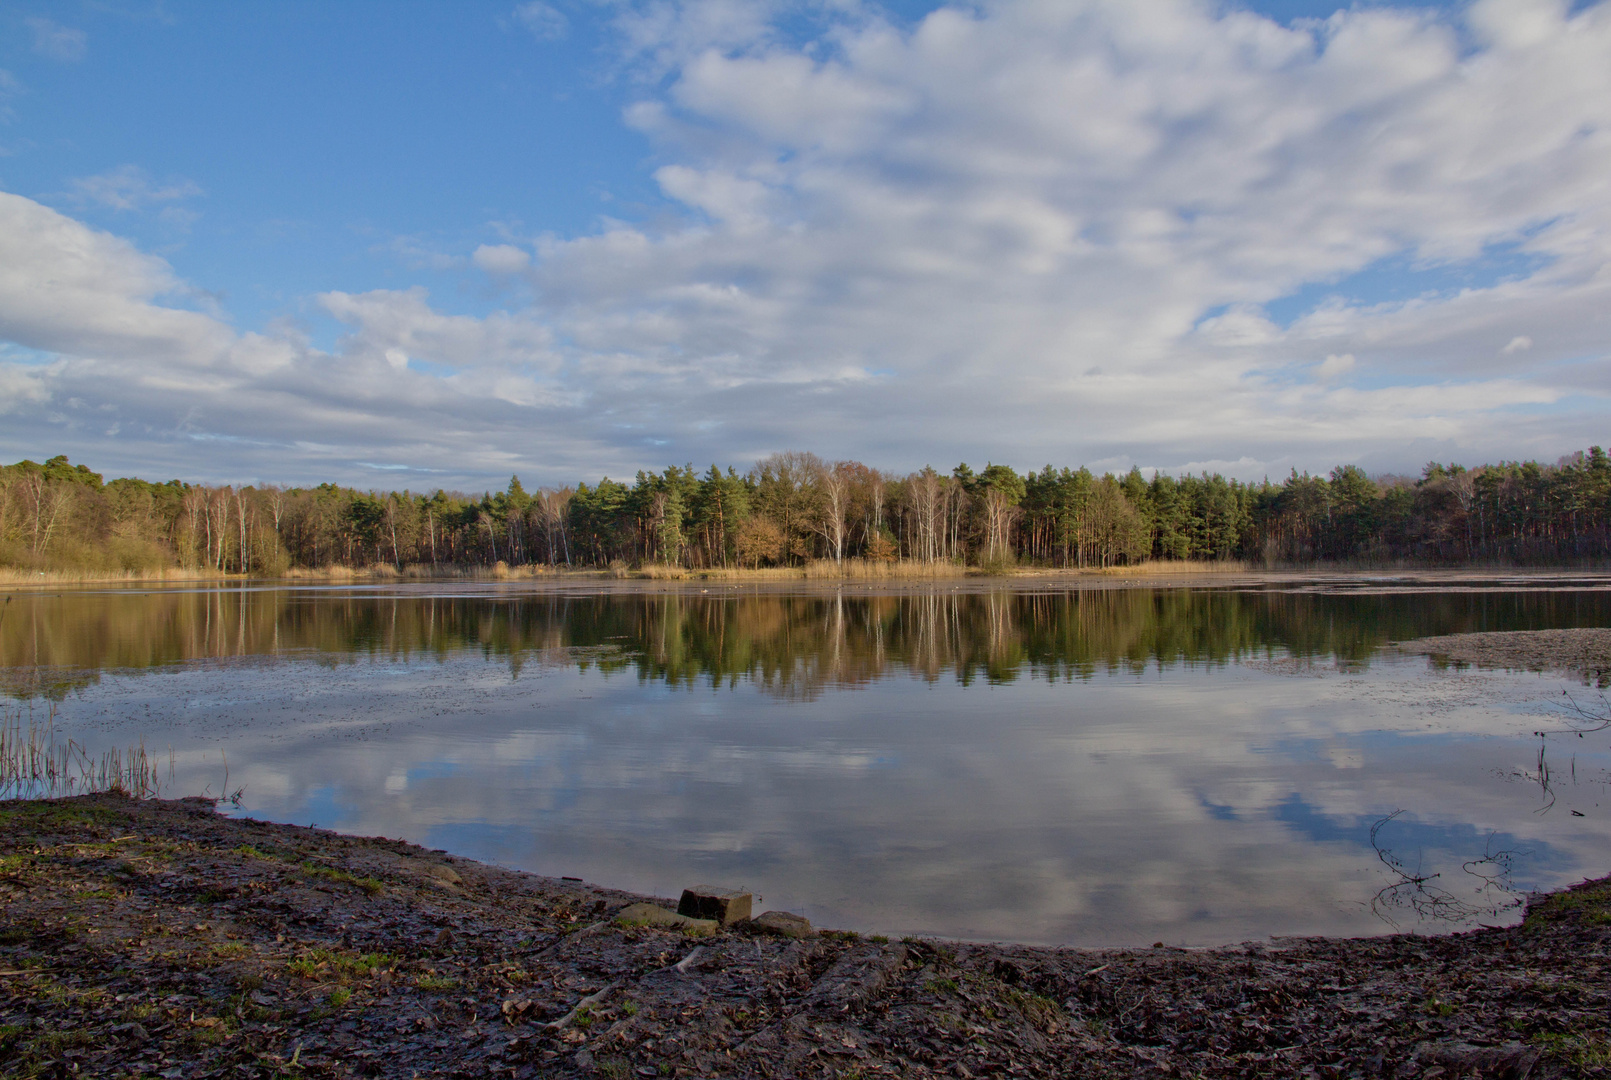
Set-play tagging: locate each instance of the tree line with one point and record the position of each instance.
(793, 508)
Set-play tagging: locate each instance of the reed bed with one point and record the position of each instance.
(37, 763)
(11, 575)
(1173, 567)
(815, 570)
(500, 571)
(883, 570)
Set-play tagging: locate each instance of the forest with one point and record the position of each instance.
(795, 509)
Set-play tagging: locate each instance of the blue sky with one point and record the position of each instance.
(446, 242)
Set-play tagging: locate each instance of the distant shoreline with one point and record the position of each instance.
(823, 575)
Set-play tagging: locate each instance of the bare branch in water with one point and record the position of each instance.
(1414, 892)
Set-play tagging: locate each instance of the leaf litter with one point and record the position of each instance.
(159, 939)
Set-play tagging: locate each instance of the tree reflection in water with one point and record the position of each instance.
(793, 645)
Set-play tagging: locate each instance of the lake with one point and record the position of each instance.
(987, 760)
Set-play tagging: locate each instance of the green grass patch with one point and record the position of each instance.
(329, 964)
(441, 982)
(59, 815)
(1436, 1006)
(1036, 1007)
(369, 885)
(59, 1039)
(1588, 904)
(1575, 1049)
(303, 968)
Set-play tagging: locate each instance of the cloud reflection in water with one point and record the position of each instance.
(1081, 776)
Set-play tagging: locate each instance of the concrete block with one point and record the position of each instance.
(654, 915)
(783, 923)
(726, 906)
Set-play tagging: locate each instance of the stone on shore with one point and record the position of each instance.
(783, 923)
(654, 915)
(726, 906)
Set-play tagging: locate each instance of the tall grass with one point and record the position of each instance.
(880, 570)
(500, 571)
(1158, 567)
(12, 575)
(815, 570)
(36, 763)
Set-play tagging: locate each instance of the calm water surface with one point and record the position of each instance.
(1097, 767)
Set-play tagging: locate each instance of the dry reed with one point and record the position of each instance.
(36, 763)
(14, 576)
(882, 570)
(1157, 567)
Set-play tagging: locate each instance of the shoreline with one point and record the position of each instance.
(144, 937)
(1583, 652)
(1356, 581)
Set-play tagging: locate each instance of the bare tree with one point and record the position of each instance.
(928, 492)
(218, 525)
(47, 500)
(6, 485)
(485, 520)
(242, 516)
(391, 527)
(276, 495)
(875, 498)
(554, 504)
(833, 481)
(195, 505)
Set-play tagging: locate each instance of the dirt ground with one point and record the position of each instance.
(162, 939)
(1585, 653)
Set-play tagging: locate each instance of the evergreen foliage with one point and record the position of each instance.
(793, 507)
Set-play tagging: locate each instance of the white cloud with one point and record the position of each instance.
(1335, 365)
(387, 324)
(108, 353)
(128, 187)
(417, 255)
(68, 289)
(1007, 198)
(1037, 231)
(9, 87)
(501, 258)
(57, 41)
(543, 21)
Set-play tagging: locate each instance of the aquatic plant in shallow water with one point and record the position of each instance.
(37, 763)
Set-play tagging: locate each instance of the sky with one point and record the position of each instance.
(420, 245)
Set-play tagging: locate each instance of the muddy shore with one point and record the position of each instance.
(1584, 653)
(162, 939)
